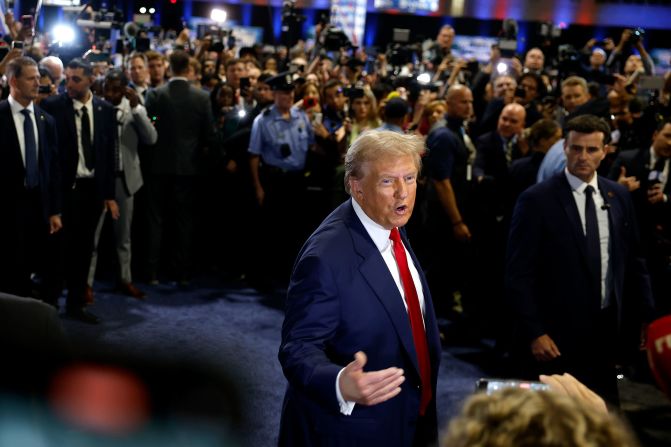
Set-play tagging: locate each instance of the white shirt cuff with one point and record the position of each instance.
(346, 406)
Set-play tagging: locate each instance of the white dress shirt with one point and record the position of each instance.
(578, 189)
(82, 171)
(380, 237)
(19, 119)
(665, 172)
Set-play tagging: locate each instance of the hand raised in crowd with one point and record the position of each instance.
(369, 388)
(12, 54)
(133, 97)
(570, 386)
(630, 182)
(544, 348)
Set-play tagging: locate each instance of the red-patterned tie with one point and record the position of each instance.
(416, 321)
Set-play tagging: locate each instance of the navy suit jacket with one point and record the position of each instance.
(12, 169)
(548, 276)
(104, 142)
(343, 299)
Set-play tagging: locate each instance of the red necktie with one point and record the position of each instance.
(416, 321)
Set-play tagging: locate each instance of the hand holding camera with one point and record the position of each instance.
(132, 96)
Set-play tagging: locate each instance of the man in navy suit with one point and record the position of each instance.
(573, 246)
(86, 143)
(29, 178)
(360, 345)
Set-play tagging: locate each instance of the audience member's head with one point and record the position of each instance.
(574, 93)
(534, 60)
(543, 134)
(511, 120)
(516, 417)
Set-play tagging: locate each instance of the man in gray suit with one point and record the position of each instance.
(183, 118)
(134, 127)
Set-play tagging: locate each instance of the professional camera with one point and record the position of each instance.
(335, 38)
(508, 38)
(292, 23)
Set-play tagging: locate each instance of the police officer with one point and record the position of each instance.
(280, 140)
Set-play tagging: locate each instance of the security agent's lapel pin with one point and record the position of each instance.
(611, 194)
(99, 108)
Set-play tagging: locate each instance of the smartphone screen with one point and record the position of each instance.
(490, 386)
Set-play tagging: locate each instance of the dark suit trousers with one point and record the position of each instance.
(170, 200)
(22, 240)
(81, 209)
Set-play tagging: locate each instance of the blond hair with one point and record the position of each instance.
(521, 418)
(374, 145)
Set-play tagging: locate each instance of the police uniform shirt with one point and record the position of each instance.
(270, 132)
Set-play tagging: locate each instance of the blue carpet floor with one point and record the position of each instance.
(234, 328)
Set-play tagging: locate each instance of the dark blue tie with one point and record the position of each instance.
(592, 236)
(32, 169)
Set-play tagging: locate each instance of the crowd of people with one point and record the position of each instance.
(228, 159)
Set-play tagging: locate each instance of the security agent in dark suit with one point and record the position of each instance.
(573, 244)
(29, 179)
(645, 173)
(86, 142)
(185, 126)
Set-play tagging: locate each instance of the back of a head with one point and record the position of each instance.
(522, 418)
(179, 63)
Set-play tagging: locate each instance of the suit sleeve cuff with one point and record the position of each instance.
(346, 406)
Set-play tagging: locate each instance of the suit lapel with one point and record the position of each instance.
(41, 132)
(376, 274)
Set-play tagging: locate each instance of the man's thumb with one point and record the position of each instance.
(623, 171)
(360, 360)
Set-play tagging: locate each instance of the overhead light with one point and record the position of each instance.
(63, 34)
(218, 15)
(143, 10)
(152, 10)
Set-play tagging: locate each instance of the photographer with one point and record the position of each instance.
(623, 60)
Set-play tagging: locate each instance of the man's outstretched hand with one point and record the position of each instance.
(369, 388)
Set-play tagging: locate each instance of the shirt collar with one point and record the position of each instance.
(653, 157)
(88, 104)
(178, 78)
(578, 185)
(16, 107)
(378, 233)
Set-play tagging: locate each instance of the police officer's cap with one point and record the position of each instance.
(283, 81)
